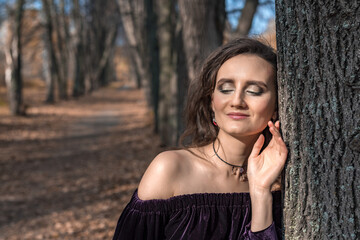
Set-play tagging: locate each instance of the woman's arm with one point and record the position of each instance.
(263, 170)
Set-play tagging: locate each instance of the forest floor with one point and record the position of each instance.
(67, 170)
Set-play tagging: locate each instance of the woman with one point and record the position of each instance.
(220, 186)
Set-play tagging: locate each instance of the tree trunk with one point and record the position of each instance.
(203, 26)
(62, 46)
(102, 33)
(46, 65)
(152, 50)
(13, 52)
(79, 76)
(133, 17)
(168, 119)
(318, 47)
(182, 78)
(50, 50)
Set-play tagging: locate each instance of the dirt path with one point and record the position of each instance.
(68, 170)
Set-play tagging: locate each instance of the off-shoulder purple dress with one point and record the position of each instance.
(195, 216)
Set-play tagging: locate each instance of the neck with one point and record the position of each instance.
(234, 150)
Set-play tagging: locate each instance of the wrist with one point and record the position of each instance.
(261, 208)
(262, 198)
(260, 192)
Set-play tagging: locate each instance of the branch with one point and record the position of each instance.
(235, 10)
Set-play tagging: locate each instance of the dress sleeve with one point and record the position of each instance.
(268, 233)
(274, 231)
(139, 221)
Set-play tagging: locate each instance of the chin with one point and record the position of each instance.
(240, 132)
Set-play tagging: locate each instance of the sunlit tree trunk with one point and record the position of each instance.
(46, 65)
(13, 51)
(318, 44)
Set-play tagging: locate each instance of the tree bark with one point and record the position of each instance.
(203, 24)
(13, 53)
(318, 78)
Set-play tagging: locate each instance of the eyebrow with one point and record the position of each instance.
(249, 82)
(225, 80)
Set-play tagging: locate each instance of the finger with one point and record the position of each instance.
(273, 125)
(277, 139)
(274, 130)
(277, 124)
(257, 146)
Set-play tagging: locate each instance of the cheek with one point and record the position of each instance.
(217, 102)
(265, 108)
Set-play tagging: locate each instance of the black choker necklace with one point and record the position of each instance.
(242, 169)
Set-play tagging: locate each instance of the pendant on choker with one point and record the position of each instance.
(234, 168)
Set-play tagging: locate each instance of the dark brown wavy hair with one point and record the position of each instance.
(200, 130)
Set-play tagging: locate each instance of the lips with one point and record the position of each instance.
(237, 116)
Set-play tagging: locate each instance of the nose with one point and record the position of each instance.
(238, 100)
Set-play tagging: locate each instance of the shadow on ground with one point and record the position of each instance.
(67, 170)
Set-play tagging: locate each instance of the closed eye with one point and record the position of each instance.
(226, 87)
(255, 93)
(226, 91)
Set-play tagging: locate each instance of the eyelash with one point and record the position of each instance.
(255, 93)
(226, 91)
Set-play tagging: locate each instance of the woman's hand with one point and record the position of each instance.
(264, 169)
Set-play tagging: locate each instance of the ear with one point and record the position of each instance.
(275, 116)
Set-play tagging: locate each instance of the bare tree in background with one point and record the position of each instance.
(134, 16)
(246, 18)
(61, 21)
(102, 31)
(139, 20)
(52, 73)
(318, 45)
(245, 21)
(79, 50)
(168, 118)
(13, 51)
(203, 24)
(56, 41)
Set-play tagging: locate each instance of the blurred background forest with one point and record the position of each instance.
(67, 49)
(90, 92)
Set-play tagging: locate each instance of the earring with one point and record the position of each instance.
(214, 121)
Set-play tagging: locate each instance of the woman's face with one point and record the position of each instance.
(244, 98)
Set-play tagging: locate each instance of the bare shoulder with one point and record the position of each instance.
(160, 177)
